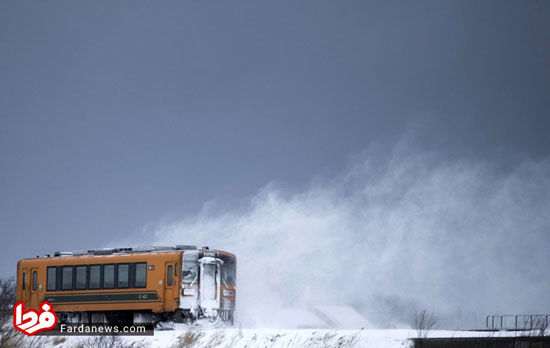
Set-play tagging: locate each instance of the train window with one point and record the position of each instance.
(95, 277)
(123, 275)
(209, 270)
(176, 270)
(108, 276)
(67, 276)
(189, 271)
(24, 280)
(141, 275)
(50, 283)
(80, 277)
(34, 280)
(228, 270)
(170, 275)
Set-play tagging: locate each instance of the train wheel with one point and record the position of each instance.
(179, 316)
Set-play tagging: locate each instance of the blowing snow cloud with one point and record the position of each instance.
(396, 230)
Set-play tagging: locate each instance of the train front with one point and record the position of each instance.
(208, 285)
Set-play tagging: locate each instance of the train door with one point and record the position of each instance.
(169, 286)
(209, 286)
(34, 287)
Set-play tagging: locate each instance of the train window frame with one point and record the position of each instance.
(76, 277)
(34, 280)
(89, 277)
(103, 276)
(131, 275)
(144, 273)
(55, 276)
(63, 278)
(169, 275)
(127, 276)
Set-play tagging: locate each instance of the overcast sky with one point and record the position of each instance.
(114, 115)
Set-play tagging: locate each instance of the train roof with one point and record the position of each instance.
(129, 251)
(125, 250)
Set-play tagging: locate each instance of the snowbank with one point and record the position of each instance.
(184, 336)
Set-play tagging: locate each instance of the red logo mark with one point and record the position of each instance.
(30, 322)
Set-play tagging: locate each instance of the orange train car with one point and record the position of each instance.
(144, 284)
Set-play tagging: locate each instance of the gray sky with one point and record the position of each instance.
(116, 114)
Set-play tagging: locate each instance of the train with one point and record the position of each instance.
(182, 283)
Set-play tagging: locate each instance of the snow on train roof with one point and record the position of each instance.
(128, 250)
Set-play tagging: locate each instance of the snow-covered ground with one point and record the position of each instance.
(183, 336)
(322, 326)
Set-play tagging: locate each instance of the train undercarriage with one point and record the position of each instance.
(144, 317)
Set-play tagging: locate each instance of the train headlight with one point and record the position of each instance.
(228, 293)
(188, 292)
